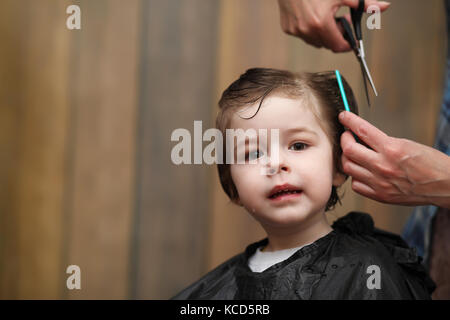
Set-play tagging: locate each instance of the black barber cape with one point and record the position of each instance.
(354, 261)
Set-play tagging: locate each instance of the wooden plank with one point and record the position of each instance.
(9, 114)
(102, 148)
(176, 88)
(34, 109)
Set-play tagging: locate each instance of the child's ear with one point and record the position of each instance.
(339, 178)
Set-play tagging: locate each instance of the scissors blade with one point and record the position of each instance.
(365, 83)
(367, 73)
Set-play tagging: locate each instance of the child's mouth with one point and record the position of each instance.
(285, 195)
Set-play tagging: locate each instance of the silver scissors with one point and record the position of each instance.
(358, 46)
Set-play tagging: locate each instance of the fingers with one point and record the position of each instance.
(372, 136)
(314, 41)
(383, 5)
(363, 189)
(332, 37)
(314, 21)
(358, 153)
(356, 171)
(361, 177)
(336, 42)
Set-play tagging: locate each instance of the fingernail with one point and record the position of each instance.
(342, 115)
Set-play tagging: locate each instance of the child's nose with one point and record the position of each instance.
(275, 166)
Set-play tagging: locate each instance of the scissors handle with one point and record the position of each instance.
(356, 15)
(348, 34)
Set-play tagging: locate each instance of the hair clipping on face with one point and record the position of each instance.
(341, 87)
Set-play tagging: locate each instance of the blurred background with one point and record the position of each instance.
(86, 118)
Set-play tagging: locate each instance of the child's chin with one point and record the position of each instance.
(286, 217)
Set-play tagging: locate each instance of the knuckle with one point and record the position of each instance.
(315, 24)
(394, 148)
(402, 145)
(288, 29)
(294, 30)
(384, 186)
(387, 171)
(391, 150)
(384, 170)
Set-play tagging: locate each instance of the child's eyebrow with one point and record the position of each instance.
(300, 129)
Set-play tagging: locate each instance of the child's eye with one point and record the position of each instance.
(298, 146)
(254, 155)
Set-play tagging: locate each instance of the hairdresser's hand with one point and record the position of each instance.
(396, 171)
(313, 20)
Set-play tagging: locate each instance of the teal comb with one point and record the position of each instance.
(341, 87)
(344, 98)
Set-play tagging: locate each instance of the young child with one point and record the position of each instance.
(302, 256)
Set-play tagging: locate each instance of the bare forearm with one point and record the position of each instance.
(429, 173)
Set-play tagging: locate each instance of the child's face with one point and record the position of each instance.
(305, 162)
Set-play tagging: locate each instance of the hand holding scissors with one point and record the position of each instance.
(357, 44)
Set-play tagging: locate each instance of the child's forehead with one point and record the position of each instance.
(277, 111)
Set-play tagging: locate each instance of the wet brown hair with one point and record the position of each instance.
(320, 89)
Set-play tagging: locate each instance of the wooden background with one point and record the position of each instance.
(86, 118)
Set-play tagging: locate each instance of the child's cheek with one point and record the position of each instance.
(316, 172)
(246, 178)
